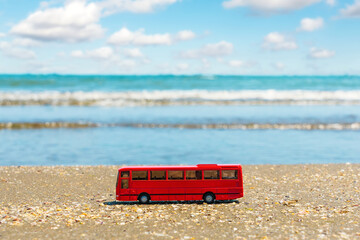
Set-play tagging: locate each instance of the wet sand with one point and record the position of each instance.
(280, 202)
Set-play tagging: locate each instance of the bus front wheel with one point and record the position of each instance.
(209, 197)
(144, 198)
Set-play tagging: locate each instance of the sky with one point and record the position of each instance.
(235, 37)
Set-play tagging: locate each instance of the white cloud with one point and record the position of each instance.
(139, 38)
(77, 54)
(78, 20)
(133, 53)
(10, 50)
(110, 57)
(279, 66)
(219, 49)
(320, 53)
(331, 2)
(61, 54)
(276, 41)
(126, 37)
(122, 58)
(135, 6)
(351, 11)
(270, 6)
(185, 35)
(2, 35)
(44, 4)
(20, 53)
(205, 63)
(311, 24)
(127, 63)
(102, 53)
(75, 22)
(26, 42)
(236, 63)
(44, 68)
(182, 66)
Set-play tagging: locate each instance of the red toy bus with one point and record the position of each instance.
(161, 183)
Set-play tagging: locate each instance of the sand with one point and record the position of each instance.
(280, 202)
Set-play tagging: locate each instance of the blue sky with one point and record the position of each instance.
(249, 37)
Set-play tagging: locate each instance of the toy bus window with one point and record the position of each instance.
(124, 183)
(175, 175)
(139, 175)
(157, 175)
(211, 174)
(125, 174)
(193, 175)
(229, 174)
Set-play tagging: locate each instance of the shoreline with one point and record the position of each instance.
(280, 201)
(222, 126)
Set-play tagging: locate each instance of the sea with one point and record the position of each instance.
(173, 120)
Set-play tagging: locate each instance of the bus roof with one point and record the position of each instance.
(199, 166)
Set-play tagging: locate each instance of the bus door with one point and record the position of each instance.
(124, 185)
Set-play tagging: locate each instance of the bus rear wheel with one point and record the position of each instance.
(209, 197)
(144, 198)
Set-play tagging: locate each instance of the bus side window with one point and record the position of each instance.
(124, 183)
(198, 175)
(157, 175)
(125, 174)
(229, 174)
(175, 175)
(139, 175)
(211, 174)
(193, 175)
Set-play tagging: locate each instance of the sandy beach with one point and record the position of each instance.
(280, 202)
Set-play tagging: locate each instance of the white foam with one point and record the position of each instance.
(255, 126)
(165, 97)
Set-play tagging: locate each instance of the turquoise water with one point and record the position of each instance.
(169, 82)
(179, 119)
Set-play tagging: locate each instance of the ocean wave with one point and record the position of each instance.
(180, 97)
(247, 126)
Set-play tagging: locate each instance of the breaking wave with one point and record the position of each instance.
(180, 97)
